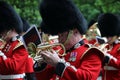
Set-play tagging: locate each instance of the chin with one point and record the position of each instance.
(6, 39)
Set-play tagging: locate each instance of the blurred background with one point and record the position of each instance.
(28, 9)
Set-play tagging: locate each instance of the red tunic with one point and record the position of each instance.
(111, 71)
(29, 65)
(83, 63)
(15, 62)
(92, 41)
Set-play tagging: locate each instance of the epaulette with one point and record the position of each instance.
(89, 45)
(92, 48)
(117, 41)
(118, 49)
(20, 43)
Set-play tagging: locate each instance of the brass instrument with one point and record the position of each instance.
(48, 47)
(45, 45)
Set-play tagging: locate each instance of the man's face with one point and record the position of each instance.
(6, 35)
(62, 37)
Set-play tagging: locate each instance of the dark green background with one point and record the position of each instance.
(28, 9)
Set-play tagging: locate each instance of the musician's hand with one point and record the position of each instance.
(39, 58)
(51, 57)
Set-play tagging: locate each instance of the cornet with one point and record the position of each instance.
(49, 47)
(46, 46)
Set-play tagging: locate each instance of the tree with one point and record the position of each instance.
(92, 8)
(28, 9)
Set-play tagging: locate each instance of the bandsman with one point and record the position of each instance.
(81, 61)
(13, 56)
(109, 26)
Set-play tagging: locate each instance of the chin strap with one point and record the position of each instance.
(80, 43)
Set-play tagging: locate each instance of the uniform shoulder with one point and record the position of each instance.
(93, 50)
(20, 43)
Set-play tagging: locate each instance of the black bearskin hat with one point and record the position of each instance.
(26, 25)
(61, 15)
(9, 19)
(109, 25)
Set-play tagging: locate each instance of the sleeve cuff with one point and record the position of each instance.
(106, 60)
(108, 57)
(38, 67)
(60, 68)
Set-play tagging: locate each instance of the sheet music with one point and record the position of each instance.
(31, 35)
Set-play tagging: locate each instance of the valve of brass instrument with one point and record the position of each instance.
(59, 48)
(49, 43)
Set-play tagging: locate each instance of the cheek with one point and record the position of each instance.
(8, 37)
(61, 39)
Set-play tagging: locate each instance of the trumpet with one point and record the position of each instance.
(49, 47)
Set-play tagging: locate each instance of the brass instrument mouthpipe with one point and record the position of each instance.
(48, 47)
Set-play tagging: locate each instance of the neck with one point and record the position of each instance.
(77, 45)
(73, 40)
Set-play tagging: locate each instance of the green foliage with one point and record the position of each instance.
(92, 8)
(90, 12)
(108, 6)
(28, 9)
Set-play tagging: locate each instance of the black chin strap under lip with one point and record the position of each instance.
(80, 43)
